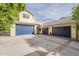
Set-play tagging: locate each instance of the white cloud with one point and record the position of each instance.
(52, 11)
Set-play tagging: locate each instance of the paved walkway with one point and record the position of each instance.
(38, 45)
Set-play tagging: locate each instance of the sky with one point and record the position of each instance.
(45, 12)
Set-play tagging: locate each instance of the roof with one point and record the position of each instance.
(27, 23)
(30, 13)
(65, 20)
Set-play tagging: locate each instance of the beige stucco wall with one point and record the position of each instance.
(30, 19)
(49, 30)
(41, 26)
(73, 31)
(12, 30)
(35, 29)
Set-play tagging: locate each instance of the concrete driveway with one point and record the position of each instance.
(15, 46)
(38, 45)
(53, 45)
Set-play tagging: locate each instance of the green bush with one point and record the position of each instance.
(9, 13)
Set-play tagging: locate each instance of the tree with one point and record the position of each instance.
(9, 13)
(75, 13)
(75, 16)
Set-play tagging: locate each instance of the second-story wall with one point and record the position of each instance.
(26, 17)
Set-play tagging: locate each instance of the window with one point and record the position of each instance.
(25, 16)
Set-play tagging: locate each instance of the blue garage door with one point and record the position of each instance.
(22, 30)
(45, 31)
(62, 31)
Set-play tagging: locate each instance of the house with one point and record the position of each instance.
(65, 27)
(25, 18)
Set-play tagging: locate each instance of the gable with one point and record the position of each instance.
(26, 17)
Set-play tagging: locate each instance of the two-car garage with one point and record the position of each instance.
(23, 29)
(64, 27)
(64, 31)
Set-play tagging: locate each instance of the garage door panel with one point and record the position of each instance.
(62, 31)
(23, 30)
(45, 31)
